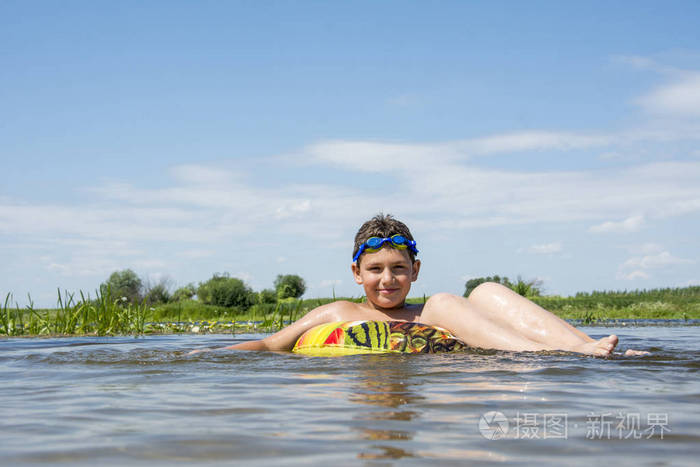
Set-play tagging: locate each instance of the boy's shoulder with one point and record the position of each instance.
(340, 310)
(343, 305)
(345, 310)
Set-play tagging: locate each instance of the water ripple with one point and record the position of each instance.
(82, 401)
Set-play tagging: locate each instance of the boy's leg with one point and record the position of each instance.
(525, 316)
(496, 317)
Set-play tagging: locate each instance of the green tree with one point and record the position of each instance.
(529, 288)
(474, 283)
(289, 286)
(222, 290)
(159, 292)
(185, 292)
(124, 284)
(266, 296)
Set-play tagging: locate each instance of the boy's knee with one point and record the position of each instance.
(442, 300)
(487, 289)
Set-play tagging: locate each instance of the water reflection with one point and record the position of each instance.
(397, 395)
(393, 387)
(387, 452)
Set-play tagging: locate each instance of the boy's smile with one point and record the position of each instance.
(386, 276)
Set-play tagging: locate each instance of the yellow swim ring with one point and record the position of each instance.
(370, 337)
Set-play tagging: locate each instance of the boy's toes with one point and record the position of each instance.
(636, 353)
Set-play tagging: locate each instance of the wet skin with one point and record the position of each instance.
(492, 317)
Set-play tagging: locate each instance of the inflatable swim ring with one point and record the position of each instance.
(363, 337)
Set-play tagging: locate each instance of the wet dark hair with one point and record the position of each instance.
(382, 226)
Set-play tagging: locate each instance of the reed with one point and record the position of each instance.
(10, 320)
(104, 315)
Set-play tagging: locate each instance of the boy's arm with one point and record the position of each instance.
(287, 337)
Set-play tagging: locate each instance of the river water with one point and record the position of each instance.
(144, 401)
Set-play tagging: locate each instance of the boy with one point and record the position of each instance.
(493, 317)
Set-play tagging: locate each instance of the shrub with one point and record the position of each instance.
(530, 288)
(123, 284)
(289, 286)
(266, 296)
(159, 292)
(222, 290)
(184, 293)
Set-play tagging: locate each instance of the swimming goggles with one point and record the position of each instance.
(373, 244)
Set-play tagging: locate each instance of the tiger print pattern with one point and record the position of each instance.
(353, 337)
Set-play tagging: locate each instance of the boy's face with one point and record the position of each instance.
(386, 276)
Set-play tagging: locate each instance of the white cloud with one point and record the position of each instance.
(680, 98)
(611, 155)
(93, 263)
(60, 268)
(635, 61)
(530, 140)
(447, 195)
(330, 283)
(244, 276)
(545, 249)
(369, 156)
(203, 210)
(196, 253)
(448, 177)
(654, 261)
(650, 249)
(631, 224)
(632, 275)
(293, 208)
(647, 63)
(652, 258)
(204, 175)
(384, 157)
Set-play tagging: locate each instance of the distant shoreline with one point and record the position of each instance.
(104, 316)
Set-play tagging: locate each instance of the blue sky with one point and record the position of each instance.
(550, 140)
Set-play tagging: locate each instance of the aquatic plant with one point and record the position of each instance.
(589, 318)
(9, 319)
(103, 315)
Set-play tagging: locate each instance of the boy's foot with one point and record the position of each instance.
(600, 348)
(636, 353)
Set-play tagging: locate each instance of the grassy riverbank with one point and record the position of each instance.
(82, 315)
(670, 303)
